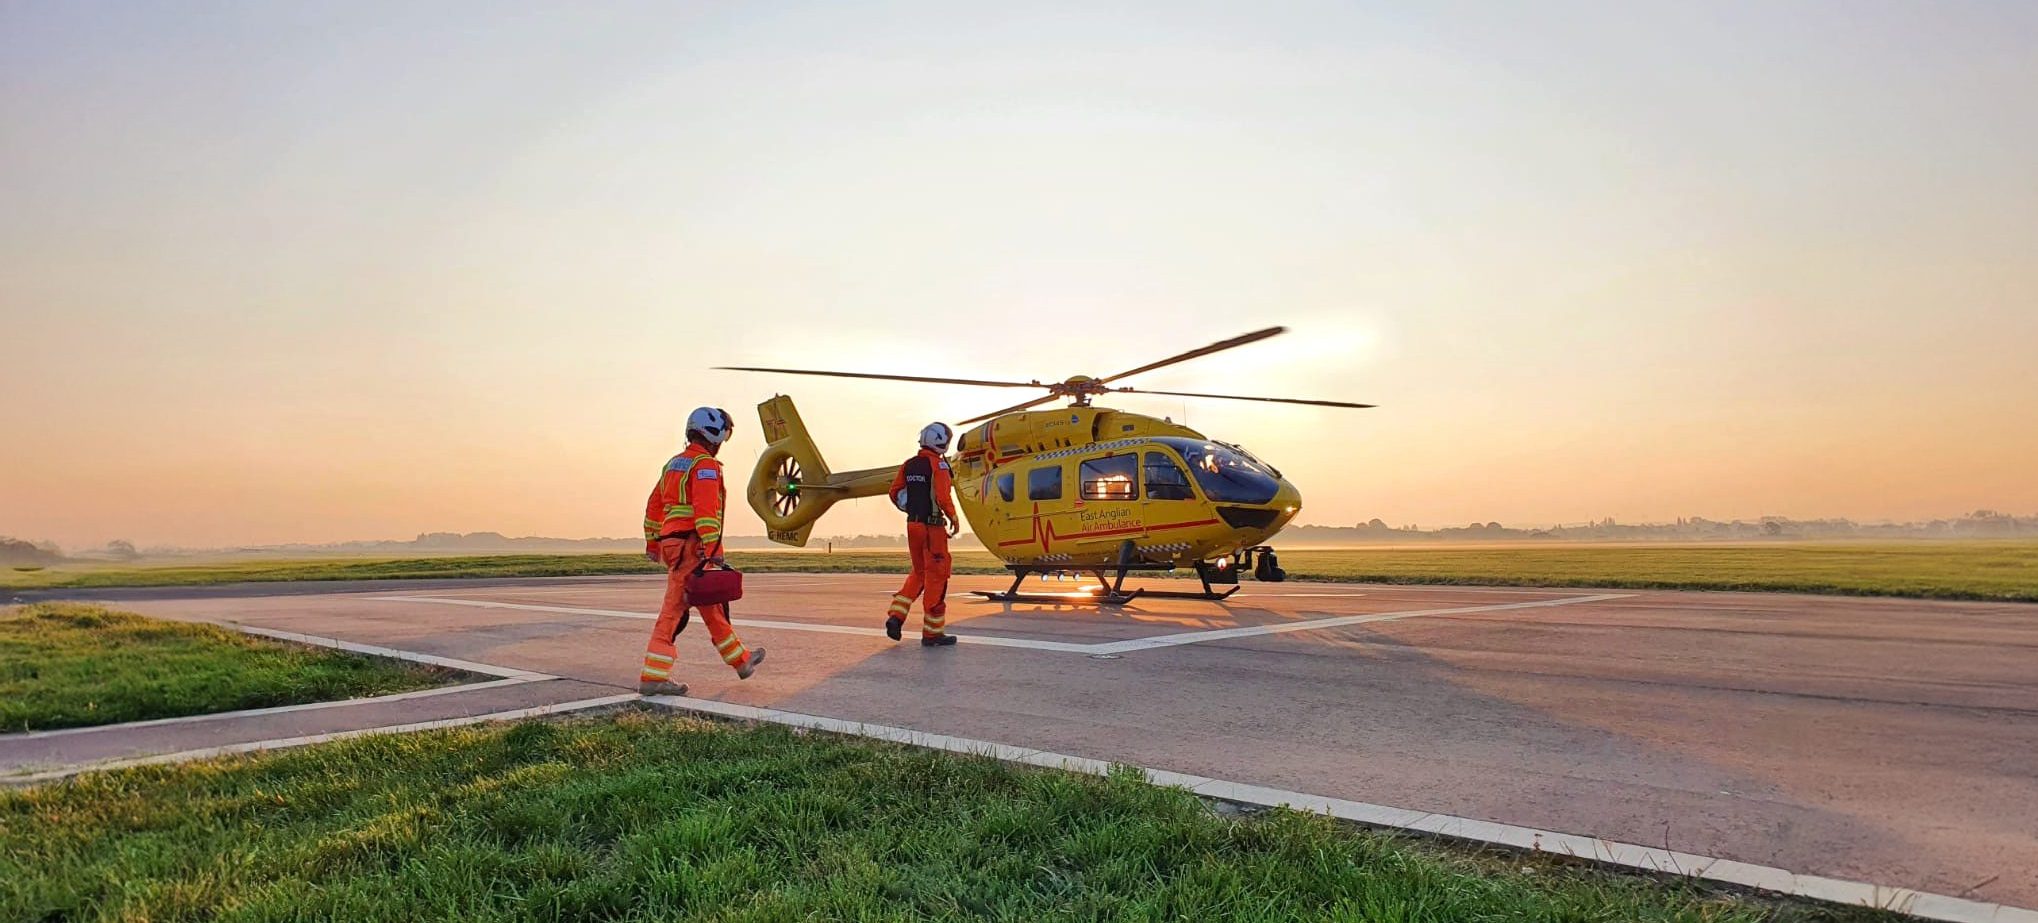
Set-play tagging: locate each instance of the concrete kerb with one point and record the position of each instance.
(259, 746)
(1649, 859)
(505, 676)
(277, 709)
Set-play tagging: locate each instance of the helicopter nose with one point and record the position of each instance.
(1288, 501)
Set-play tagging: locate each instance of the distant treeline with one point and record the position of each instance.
(17, 553)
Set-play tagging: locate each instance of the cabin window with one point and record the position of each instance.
(1111, 478)
(1005, 486)
(1044, 483)
(1166, 480)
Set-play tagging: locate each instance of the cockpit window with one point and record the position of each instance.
(1227, 475)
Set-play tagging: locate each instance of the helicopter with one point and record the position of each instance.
(1082, 488)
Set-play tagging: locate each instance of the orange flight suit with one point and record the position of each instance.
(928, 483)
(683, 527)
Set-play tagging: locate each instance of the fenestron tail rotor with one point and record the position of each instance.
(785, 487)
(1078, 389)
(791, 486)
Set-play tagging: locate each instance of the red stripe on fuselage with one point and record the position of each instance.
(1050, 533)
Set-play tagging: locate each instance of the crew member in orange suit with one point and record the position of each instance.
(922, 490)
(683, 530)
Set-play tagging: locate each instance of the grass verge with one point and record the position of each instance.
(1986, 570)
(640, 817)
(72, 665)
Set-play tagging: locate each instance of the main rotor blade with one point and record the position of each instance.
(1012, 409)
(1220, 346)
(1242, 397)
(932, 381)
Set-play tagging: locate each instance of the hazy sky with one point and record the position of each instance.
(319, 271)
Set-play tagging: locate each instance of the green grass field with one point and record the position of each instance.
(1987, 570)
(70, 665)
(636, 817)
(1998, 570)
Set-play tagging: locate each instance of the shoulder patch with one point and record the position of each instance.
(944, 465)
(707, 473)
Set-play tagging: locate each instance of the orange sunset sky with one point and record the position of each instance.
(328, 271)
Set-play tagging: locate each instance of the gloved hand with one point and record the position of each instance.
(651, 552)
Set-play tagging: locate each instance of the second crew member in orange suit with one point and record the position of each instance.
(683, 530)
(922, 490)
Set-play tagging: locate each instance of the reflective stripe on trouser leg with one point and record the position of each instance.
(902, 601)
(657, 667)
(723, 634)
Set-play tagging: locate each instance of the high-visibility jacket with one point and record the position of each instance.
(922, 485)
(689, 497)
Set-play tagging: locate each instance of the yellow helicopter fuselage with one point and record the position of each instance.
(1079, 485)
(1075, 485)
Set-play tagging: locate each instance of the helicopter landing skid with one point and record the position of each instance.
(1112, 592)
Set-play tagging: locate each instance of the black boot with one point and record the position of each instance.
(936, 640)
(892, 626)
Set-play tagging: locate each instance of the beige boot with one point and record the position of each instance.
(660, 687)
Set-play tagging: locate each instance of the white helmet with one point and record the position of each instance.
(935, 437)
(710, 426)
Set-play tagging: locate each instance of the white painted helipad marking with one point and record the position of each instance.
(485, 669)
(1107, 647)
(1027, 643)
(987, 640)
(1609, 852)
(523, 607)
(1224, 634)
